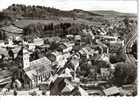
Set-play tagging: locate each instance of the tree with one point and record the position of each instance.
(3, 36)
(125, 73)
(126, 21)
(34, 29)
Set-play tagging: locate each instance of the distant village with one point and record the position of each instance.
(78, 65)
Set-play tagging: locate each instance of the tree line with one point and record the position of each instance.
(46, 30)
(20, 10)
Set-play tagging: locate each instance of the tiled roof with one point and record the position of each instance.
(38, 67)
(111, 91)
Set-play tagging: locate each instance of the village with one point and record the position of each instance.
(78, 65)
(48, 50)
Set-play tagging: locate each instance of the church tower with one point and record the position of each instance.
(26, 55)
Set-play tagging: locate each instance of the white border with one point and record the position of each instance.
(78, 97)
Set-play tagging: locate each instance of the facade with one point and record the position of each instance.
(38, 71)
(26, 56)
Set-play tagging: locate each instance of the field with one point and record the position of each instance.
(24, 22)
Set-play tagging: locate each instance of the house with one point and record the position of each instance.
(110, 39)
(66, 74)
(105, 73)
(58, 58)
(38, 41)
(62, 48)
(60, 86)
(77, 38)
(90, 51)
(115, 47)
(38, 71)
(102, 31)
(107, 38)
(68, 88)
(101, 44)
(75, 61)
(54, 56)
(105, 49)
(105, 57)
(82, 92)
(84, 31)
(70, 36)
(65, 47)
(31, 47)
(63, 86)
(76, 48)
(3, 51)
(112, 91)
(49, 40)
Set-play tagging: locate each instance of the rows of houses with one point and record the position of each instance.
(58, 67)
(59, 58)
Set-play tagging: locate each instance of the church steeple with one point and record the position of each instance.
(26, 62)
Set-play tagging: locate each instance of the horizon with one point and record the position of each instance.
(122, 6)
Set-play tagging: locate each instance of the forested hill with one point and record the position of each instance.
(5, 19)
(17, 10)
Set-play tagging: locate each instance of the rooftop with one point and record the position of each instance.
(38, 67)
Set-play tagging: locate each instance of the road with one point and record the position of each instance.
(130, 58)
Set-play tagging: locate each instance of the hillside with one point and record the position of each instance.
(83, 14)
(45, 15)
(20, 11)
(111, 13)
(5, 19)
(34, 14)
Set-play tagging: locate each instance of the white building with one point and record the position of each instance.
(38, 41)
(38, 70)
(26, 55)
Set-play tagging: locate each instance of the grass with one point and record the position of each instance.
(24, 22)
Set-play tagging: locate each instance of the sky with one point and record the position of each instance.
(126, 6)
